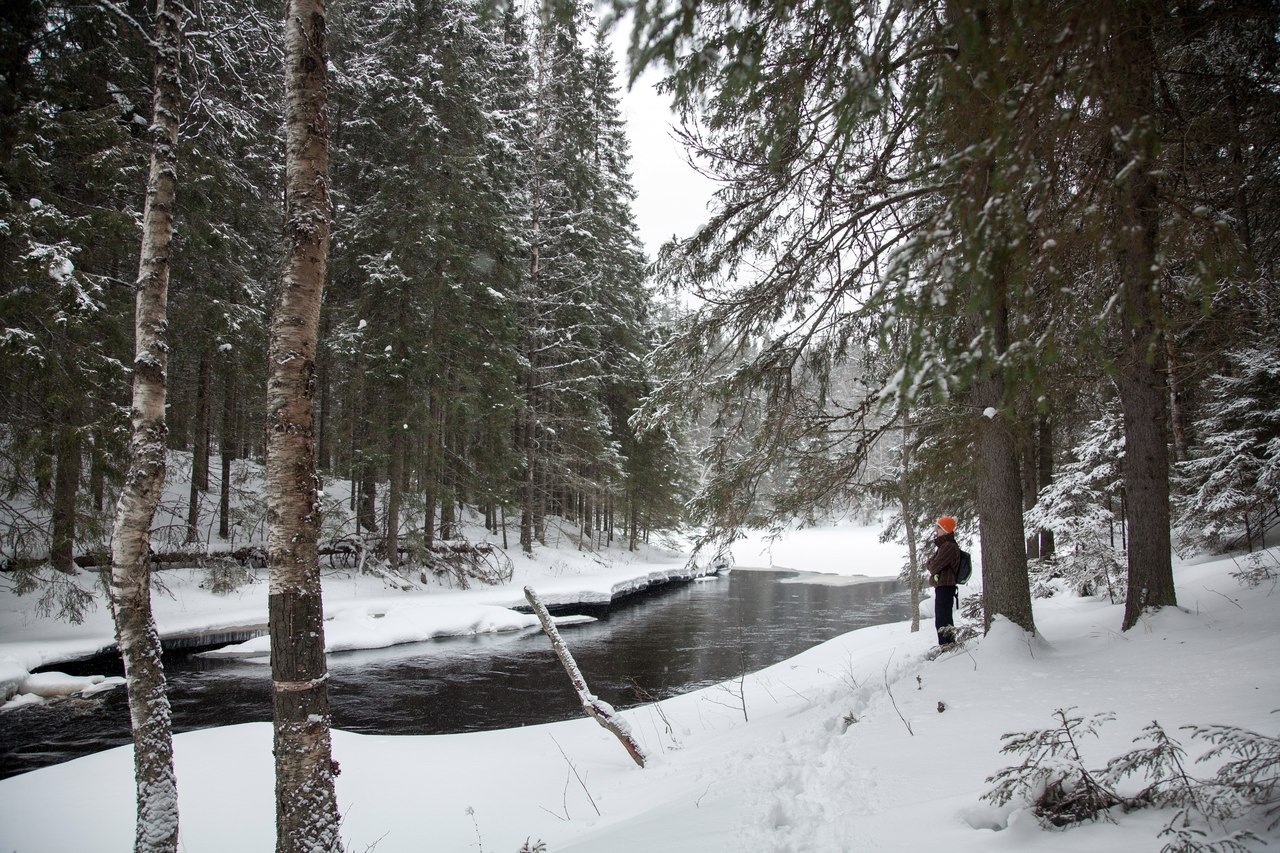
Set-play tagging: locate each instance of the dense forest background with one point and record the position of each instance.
(964, 258)
(486, 320)
(1015, 262)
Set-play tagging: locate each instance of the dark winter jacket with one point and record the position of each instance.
(942, 566)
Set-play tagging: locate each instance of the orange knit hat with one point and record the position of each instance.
(947, 523)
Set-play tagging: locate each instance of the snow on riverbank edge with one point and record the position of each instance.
(360, 613)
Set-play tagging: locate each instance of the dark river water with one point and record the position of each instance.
(650, 646)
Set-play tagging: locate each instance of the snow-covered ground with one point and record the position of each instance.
(859, 744)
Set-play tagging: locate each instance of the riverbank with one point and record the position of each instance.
(362, 611)
(862, 743)
(365, 611)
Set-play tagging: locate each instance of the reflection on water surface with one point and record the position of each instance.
(658, 644)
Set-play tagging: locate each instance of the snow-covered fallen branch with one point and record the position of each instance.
(595, 707)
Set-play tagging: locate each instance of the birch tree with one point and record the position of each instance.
(306, 802)
(136, 635)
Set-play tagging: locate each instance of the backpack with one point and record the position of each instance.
(965, 570)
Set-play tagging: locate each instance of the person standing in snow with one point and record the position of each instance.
(941, 569)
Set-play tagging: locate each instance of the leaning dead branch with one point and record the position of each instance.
(595, 707)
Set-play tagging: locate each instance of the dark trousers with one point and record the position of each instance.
(944, 600)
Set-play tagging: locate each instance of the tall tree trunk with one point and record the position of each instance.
(227, 445)
(542, 495)
(431, 453)
(97, 470)
(429, 517)
(394, 488)
(200, 446)
(1030, 476)
(1044, 467)
(633, 522)
(905, 492)
(1177, 412)
(307, 819)
(367, 505)
(1140, 375)
(149, 714)
(1006, 589)
(448, 491)
(66, 483)
(528, 416)
(527, 483)
(204, 428)
(356, 452)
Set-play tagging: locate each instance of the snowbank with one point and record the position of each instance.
(361, 611)
(859, 744)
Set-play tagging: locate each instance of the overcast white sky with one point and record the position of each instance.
(671, 196)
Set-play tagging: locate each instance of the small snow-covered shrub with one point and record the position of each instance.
(1252, 766)
(224, 576)
(1247, 782)
(1256, 569)
(1064, 791)
(1053, 776)
(61, 595)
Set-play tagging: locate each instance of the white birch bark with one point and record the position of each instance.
(593, 706)
(149, 712)
(306, 803)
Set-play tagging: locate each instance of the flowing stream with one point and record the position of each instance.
(657, 644)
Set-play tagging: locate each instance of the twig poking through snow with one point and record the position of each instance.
(797, 693)
(740, 693)
(697, 804)
(471, 813)
(1224, 595)
(655, 704)
(889, 690)
(590, 799)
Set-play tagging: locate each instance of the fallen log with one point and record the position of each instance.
(247, 555)
(595, 707)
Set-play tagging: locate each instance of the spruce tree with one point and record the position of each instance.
(1231, 485)
(1034, 172)
(74, 83)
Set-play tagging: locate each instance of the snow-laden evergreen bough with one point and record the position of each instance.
(1214, 814)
